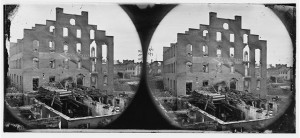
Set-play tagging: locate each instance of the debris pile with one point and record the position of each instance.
(48, 95)
(12, 90)
(237, 97)
(52, 122)
(13, 97)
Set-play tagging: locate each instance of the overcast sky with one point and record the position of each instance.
(108, 17)
(259, 19)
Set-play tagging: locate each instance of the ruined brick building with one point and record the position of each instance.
(219, 53)
(66, 48)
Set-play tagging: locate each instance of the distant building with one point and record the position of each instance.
(155, 68)
(280, 71)
(219, 53)
(67, 47)
(127, 69)
(138, 69)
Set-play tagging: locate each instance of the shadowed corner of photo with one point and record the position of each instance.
(10, 123)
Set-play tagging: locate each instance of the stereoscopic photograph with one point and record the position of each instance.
(182, 68)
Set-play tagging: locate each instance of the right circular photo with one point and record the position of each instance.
(224, 67)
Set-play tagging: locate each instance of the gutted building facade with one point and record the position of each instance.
(67, 47)
(219, 53)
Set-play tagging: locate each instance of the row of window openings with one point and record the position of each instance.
(231, 53)
(52, 63)
(171, 84)
(17, 64)
(94, 80)
(78, 32)
(282, 72)
(129, 68)
(16, 79)
(231, 36)
(205, 51)
(205, 68)
(170, 68)
(66, 64)
(219, 68)
(66, 48)
(35, 81)
(52, 46)
(246, 84)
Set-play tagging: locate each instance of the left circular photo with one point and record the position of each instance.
(70, 66)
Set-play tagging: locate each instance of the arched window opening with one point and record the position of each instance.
(93, 52)
(51, 46)
(232, 68)
(66, 48)
(78, 33)
(258, 85)
(246, 56)
(79, 80)
(245, 38)
(246, 85)
(35, 84)
(104, 53)
(36, 45)
(205, 51)
(219, 67)
(219, 52)
(52, 64)
(35, 63)
(93, 79)
(246, 53)
(105, 80)
(225, 26)
(78, 48)
(189, 67)
(92, 34)
(205, 67)
(233, 83)
(257, 58)
(66, 63)
(246, 70)
(93, 49)
(65, 32)
(79, 64)
(51, 29)
(189, 50)
(231, 38)
(72, 21)
(231, 52)
(205, 32)
(219, 36)
(93, 66)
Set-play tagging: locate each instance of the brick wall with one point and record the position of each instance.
(183, 55)
(43, 35)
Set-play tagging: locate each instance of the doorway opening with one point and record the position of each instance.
(189, 88)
